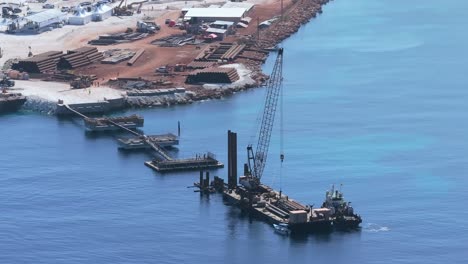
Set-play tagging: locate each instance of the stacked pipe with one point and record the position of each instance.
(80, 57)
(213, 75)
(219, 52)
(232, 52)
(41, 63)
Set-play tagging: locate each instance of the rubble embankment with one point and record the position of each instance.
(301, 12)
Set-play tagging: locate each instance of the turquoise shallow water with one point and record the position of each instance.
(375, 98)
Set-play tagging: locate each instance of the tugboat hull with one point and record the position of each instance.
(324, 226)
(347, 222)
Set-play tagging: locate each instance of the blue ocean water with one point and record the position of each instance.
(375, 98)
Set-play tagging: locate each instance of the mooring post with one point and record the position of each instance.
(178, 128)
(229, 158)
(207, 180)
(201, 179)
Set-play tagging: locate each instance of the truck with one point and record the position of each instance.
(5, 81)
(147, 27)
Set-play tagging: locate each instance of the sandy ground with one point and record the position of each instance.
(155, 56)
(71, 37)
(53, 91)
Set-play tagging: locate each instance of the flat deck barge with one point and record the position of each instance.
(207, 161)
(109, 123)
(276, 208)
(165, 140)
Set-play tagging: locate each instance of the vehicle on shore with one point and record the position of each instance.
(48, 6)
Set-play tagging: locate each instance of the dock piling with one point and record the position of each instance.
(207, 179)
(232, 160)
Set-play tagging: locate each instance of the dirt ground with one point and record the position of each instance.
(71, 37)
(155, 56)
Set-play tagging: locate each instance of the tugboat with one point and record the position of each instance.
(341, 211)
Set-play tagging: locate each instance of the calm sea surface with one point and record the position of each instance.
(375, 98)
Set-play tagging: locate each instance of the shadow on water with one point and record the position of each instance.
(63, 120)
(204, 199)
(234, 217)
(305, 237)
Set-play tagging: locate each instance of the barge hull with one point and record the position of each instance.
(11, 105)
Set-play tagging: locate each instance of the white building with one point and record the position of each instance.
(102, 12)
(44, 19)
(80, 17)
(197, 15)
(247, 6)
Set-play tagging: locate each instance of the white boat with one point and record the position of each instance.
(282, 229)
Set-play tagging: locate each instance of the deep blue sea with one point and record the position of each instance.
(375, 98)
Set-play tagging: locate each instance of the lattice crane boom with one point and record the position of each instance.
(257, 162)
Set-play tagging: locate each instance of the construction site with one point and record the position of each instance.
(159, 54)
(142, 49)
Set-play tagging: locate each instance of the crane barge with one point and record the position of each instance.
(263, 201)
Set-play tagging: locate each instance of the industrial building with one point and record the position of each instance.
(199, 15)
(246, 6)
(81, 16)
(101, 12)
(38, 22)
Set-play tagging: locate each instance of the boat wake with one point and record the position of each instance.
(375, 228)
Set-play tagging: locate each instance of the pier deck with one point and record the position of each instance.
(165, 140)
(207, 162)
(156, 143)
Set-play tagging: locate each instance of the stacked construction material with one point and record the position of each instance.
(135, 57)
(175, 40)
(79, 58)
(206, 52)
(41, 63)
(254, 55)
(115, 56)
(219, 52)
(223, 51)
(200, 64)
(213, 75)
(117, 38)
(232, 52)
(66, 77)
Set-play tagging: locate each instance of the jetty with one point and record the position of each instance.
(138, 143)
(207, 161)
(163, 162)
